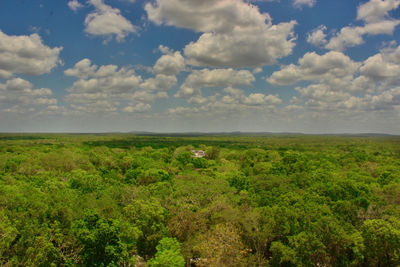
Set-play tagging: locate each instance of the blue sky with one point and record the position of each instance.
(308, 66)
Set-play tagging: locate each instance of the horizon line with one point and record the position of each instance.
(203, 133)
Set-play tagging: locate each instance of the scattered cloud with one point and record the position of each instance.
(107, 88)
(198, 79)
(375, 15)
(219, 78)
(301, 3)
(100, 88)
(18, 96)
(342, 86)
(82, 69)
(257, 70)
(26, 54)
(233, 102)
(353, 36)
(235, 33)
(171, 63)
(317, 36)
(74, 5)
(108, 22)
(159, 82)
(333, 68)
(140, 107)
(106, 79)
(376, 10)
(383, 68)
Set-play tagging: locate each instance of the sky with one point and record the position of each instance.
(311, 66)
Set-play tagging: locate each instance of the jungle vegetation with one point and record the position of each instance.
(122, 199)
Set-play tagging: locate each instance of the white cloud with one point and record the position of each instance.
(376, 10)
(323, 93)
(333, 68)
(17, 95)
(74, 5)
(206, 15)
(375, 14)
(107, 21)
(198, 79)
(261, 99)
(219, 78)
(257, 70)
(108, 79)
(107, 88)
(26, 55)
(233, 103)
(301, 3)
(100, 87)
(343, 88)
(353, 36)
(317, 37)
(146, 96)
(141, 107)
(235, 33)
(171, 63)
(320, 99)
(82, 69)
(383, 68)
(159, 82)
(237, 96)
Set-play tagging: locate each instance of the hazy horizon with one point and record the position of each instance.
(194, 133)
(301, 66)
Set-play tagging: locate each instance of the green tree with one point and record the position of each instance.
(222, 246)
(168, 254)
(382, 242)
(149, 216)
(104, 242)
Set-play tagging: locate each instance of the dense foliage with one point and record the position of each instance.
(121, 200)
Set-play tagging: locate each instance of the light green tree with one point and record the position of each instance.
(168, 254)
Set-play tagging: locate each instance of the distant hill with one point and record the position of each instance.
(238, 133)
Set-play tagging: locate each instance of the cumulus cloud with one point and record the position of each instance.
(375, 15)
(376, 10)
(257, 70)
(237, 96)
(171, 63)
(219, 78)
(386, 101)
(107, 88)
(261, 99)
(320, 99)
(353, 36)
(301, 3)
(383, 68)
(82, 69)
(317, 37)
(107, 21)
(141, 107)
(74, 5)
(333, 68)
(235, 33)
(232, 102)
(26, 55)
(198, 79)
(17, 95)
(100, 88)
(343, 87)
(159, 82)
(105, 79)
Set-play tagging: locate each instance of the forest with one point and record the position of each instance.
(131, 200)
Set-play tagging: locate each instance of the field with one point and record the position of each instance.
(274, 200)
